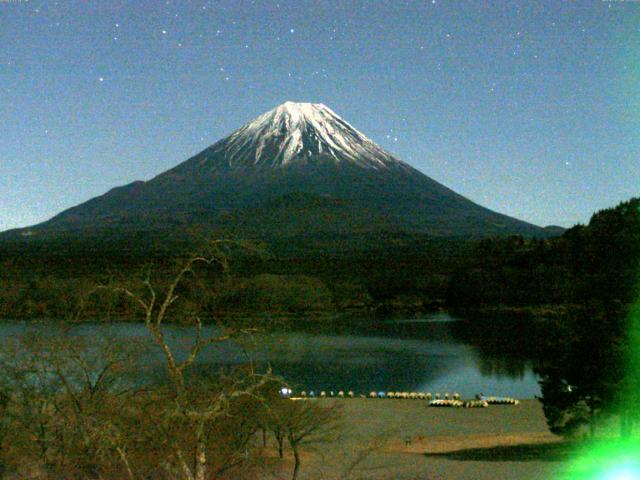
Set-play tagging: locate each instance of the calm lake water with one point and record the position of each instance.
(426, 355)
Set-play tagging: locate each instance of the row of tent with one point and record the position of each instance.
(434, 400)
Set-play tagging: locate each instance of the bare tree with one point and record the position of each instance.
(74, 411)
(310, 423)
(189, 411)
(302, 422)
(59, 390)
(31, 388)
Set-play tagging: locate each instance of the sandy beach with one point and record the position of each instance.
(406, 439)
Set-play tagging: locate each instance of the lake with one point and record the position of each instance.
(426, 354)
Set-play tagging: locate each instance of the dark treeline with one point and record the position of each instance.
(587, 264)
(567, 302)
(572, 304)
(593, 263)
(50, 278)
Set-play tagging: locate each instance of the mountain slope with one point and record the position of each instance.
(298, 169)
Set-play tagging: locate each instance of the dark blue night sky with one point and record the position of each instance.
(530, 108)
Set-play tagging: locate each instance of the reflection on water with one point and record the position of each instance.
(418, 355)
(503, 367)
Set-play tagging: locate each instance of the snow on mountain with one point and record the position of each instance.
(299, 132)
(298, 169)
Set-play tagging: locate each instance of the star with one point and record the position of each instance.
(101, 79)
(292, 30)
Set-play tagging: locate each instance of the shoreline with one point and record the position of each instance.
(414, 441)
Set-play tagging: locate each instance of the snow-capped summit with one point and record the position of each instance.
(298, 170)
(295, 133)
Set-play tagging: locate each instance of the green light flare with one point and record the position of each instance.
(616, 458)
(622, 474)
(631, 397)
(605, 460)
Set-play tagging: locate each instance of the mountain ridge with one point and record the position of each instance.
(294, 148)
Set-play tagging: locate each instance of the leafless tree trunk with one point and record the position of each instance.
(125, 461)
(155, 308)
(280, 439)
(296, 465)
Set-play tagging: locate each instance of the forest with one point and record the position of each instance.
(588, 264)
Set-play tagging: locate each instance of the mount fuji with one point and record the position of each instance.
(297, 170)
